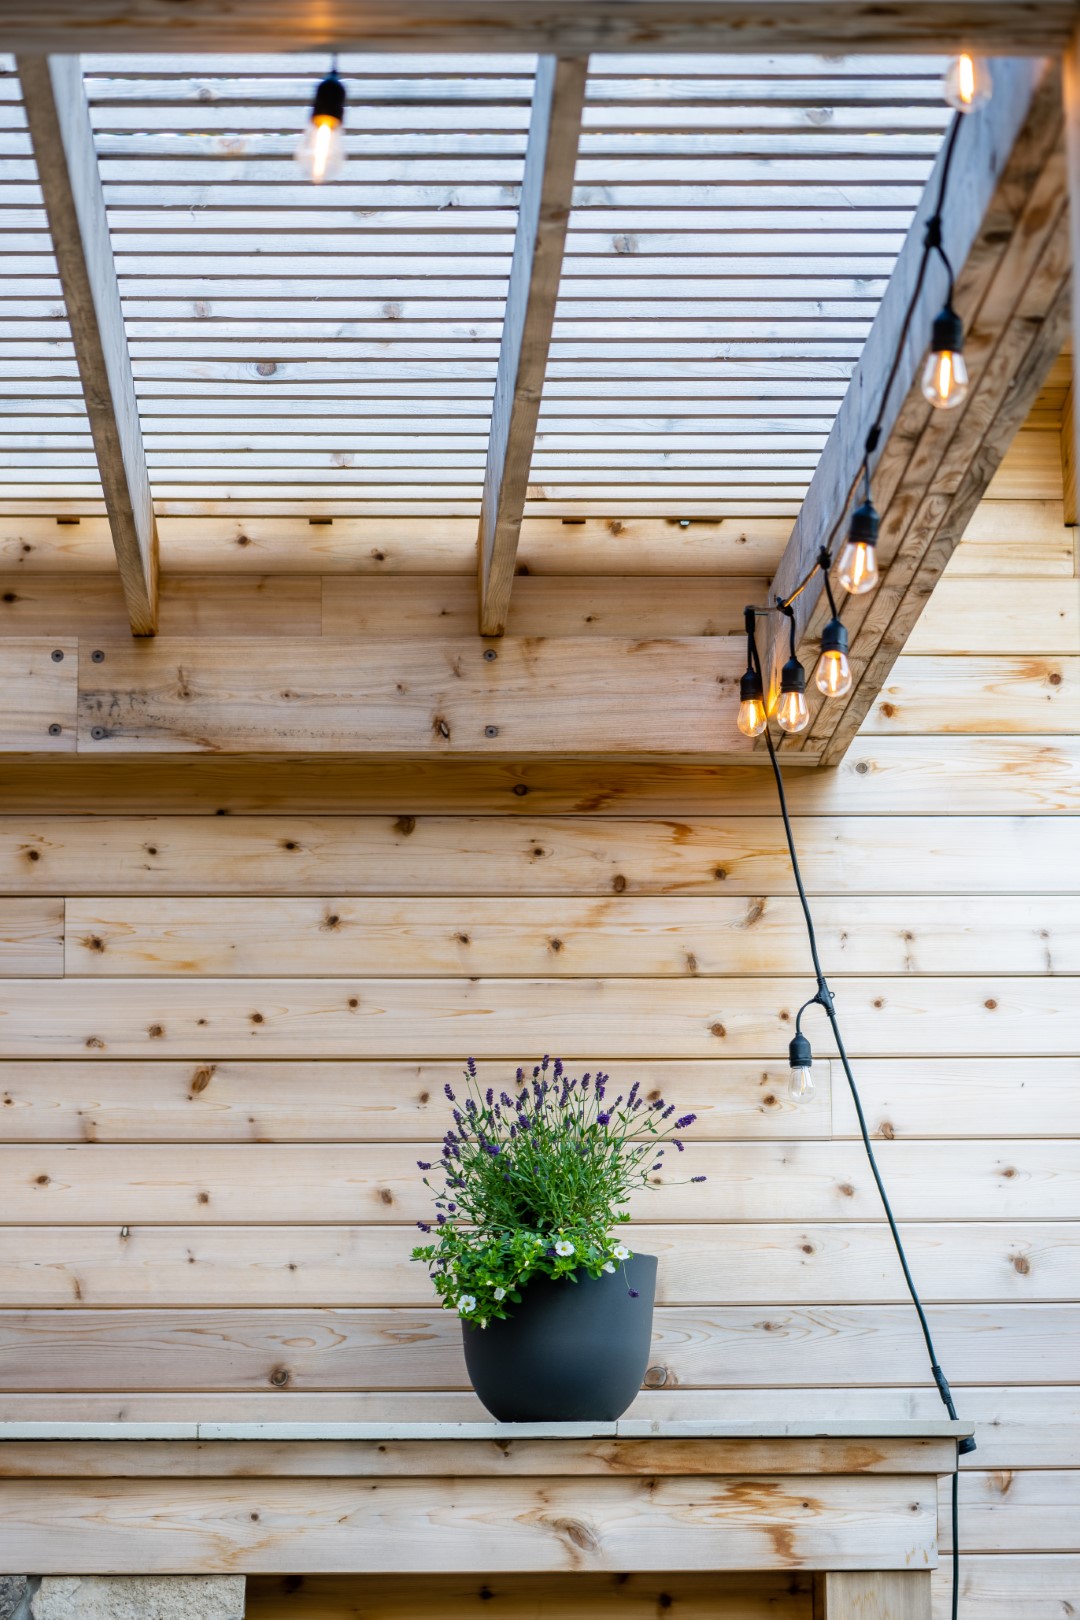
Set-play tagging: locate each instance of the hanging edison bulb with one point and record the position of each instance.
(945, 375)
(321, 153)
(801, 1078)
(792, 714)
(751, 719)
(857, 569)
(833, 674)
(967, 83)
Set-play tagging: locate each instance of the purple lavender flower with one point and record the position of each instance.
(686, 1121)
(603, 1118)
(699, 1178)
(423, 1225)
(679, 1145)
(470, 1064)
(490, 1096)
(421, 1164)
(449, 1093)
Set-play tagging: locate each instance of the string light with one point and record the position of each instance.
(801, 1059)
(945, 376)
(858, 570)
(321, 153)
(967, 83)
(833, 674)
(792, 714)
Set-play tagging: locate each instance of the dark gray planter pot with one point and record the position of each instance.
(571, 1352)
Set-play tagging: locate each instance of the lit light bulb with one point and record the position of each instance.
(857, 569)
(967, 83)
(792, 714)
(752, 718)
(833, 674)
(945, 375)
(321, 153)
(801, 1078)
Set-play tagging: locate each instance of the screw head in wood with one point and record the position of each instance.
(55, 730)
(97, 656)
(97, 732)
(57, 655)
(491, 731)
(490, 655)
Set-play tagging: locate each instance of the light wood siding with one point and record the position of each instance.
(232, 991)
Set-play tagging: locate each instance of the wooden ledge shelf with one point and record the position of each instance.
(484, 1498)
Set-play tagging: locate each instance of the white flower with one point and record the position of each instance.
(500, 1293)
(620, 1251)
(609, 1265)
(564, 1247)
(466, 1303)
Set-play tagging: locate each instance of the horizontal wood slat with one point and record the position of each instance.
(342, 1101)
(381, 1184)
(518, 1019)
(75, 1267)
(32, 937)
(92, 605)
(615, 1524)
(673, 937)
(398, 1350)
(883, 776)
(450, 696)
(1012, 695)
(985, 617)
(538, 855)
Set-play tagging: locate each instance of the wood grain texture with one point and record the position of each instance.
(93, 606)
(531, 855)
(85, 1266)
(414, 697)
(873, 1595)
(62, 137)
(616, 1524)
(38, 683)
(547, 185)
(1010, 695)
(518, 1019)
(991, 617)
(782, 1348)
(32, 937)
(379, 1184)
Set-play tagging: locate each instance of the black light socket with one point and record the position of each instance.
(793, 677)
(329, 99)
(799, 1054)
(750, 687)
(834, 637)
(947, 332)
(865, 524)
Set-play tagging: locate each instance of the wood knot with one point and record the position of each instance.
(405, 825)
(156, 1031)
(990, 1004)
(718, 1030)
(846, 1189)
(386, 1195)
(279, 1377)
(656, 1377)
(618, 883)
(720, 874)
(887, 1130)
(1021, 1264)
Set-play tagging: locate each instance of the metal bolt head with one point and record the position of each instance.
(491, 731)
(57, 655)
(97, 656)
(97, 732)
(490, 655)
(55, 730)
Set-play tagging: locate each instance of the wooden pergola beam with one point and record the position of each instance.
(1070, 426)
(63, 141)
(546, 189)
(1006, 230)
(562, 27)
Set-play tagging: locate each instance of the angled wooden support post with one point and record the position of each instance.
(546, 188)
(1006, 232)
(63, 143)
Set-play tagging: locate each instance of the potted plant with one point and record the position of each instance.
(530, 1191)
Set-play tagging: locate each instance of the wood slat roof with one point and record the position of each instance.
(734, 225)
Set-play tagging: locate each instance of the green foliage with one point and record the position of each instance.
(533, 1183)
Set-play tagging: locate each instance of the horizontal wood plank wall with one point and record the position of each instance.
(231, 992)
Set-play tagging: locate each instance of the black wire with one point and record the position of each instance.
(825, 999)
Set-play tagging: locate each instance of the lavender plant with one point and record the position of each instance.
(533, 1181)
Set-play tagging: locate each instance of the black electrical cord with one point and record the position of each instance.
(824, 999)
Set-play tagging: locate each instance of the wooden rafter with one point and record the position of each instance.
(546, 188)
(62, 137)
(1070, 426)
(565, 26)
(1007, 232)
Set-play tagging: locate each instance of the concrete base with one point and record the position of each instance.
(122, 1597)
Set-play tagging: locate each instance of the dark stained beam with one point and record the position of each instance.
(546, 189)
(1006, 230)
(63, 142)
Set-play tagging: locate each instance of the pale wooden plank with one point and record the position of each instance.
(547, 186)
(881, 776)
(674, 937)
(532, 855)
(400, 1350)
(75, 1267)
(575, 606)
(1067, 451)
(978, 694)
(987, 616)
(874, 1595)
(32, 937)
(515, 1525)
(67, 171)
(1026, 538)
(448, 696)
(995, 1586)
(93, 605)
(248, 1100)
(38, 680)
(264, 1101)
(380, 1184)
(1031, 1510)
(1031, 468)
